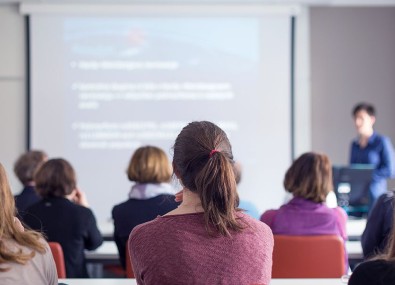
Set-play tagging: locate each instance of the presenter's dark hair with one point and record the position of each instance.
(368, 108)
(27, 164)
(55, 178)
(310, 177)
(203, 161)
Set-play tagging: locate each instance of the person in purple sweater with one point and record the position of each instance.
(207, 239)
(309, 179)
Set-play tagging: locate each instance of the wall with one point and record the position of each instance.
(12, 88)
(352, 60)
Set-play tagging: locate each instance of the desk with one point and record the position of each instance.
(355, 228)
(107, 252)
(106, 229)
(354, 250)
(133, 281)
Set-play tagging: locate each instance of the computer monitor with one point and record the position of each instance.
(351, 185)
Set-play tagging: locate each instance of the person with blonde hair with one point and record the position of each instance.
(207, 239)
(24, 168)
(151, 194)
(25, 257)
(309, 180)
(63, 215)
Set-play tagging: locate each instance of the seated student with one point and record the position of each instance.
(207, 239)
(24, 168)
(309, 179)
(63, 215)
(25, 257)
(379, 225)
(379, 270)
(150, 196)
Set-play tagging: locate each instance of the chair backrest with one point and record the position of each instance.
(57, 253)
(308, 256)
(129, 268)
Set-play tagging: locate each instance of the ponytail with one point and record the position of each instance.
(216, 186)
(204, 162)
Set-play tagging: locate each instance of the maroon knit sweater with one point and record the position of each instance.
(177, 249)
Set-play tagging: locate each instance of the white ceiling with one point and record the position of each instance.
(304, 2)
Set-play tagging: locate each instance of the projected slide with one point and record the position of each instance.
(103, 86)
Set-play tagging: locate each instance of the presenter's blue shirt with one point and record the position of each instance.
(378, 153)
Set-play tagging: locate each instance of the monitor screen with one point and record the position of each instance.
(351, 184)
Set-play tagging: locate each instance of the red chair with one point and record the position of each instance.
(57, 253)
(129, 268)
(308, 256)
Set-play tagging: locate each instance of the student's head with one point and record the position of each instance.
(149, 164)
(364, 116)
(203, 162)
(27, 164)
(310, 177)
(55, 178)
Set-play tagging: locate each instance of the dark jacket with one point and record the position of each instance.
(26, 198)
(73, 226)
(133, 212)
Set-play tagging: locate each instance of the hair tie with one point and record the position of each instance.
(212, 152)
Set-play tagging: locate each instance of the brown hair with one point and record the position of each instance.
(209, 173)
(55, 178)
(310, 177)
(10, 231)
(149, 164)
(27, 164)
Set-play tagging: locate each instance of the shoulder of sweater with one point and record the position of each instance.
(143, 228)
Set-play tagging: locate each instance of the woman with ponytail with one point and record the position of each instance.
(25, 257)
(207, 239)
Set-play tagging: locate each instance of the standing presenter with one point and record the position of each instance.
(372, 148)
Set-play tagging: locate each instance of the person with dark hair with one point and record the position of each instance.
(63, 215)
(379, 225)
(381, 268)
(24, 168)
(373, 149)
(25, 257)
(309, 180)
(150, 196)
(207, 239)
